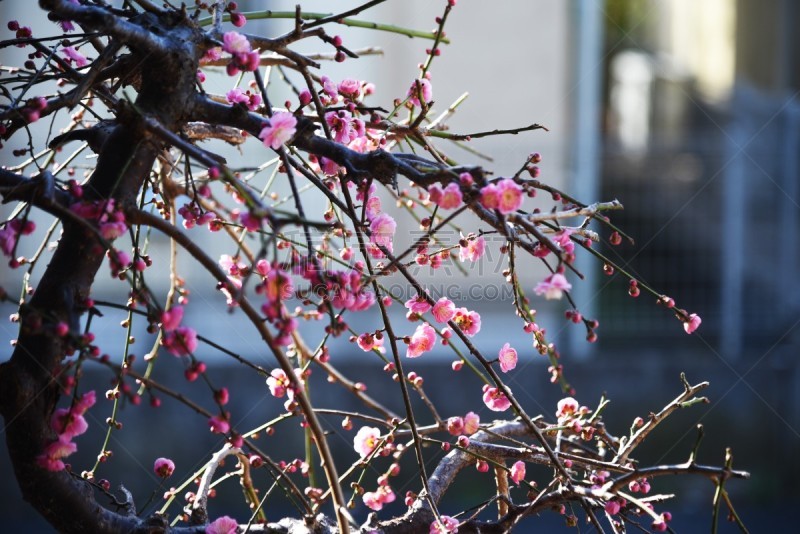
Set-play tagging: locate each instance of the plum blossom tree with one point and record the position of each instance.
(103, 74)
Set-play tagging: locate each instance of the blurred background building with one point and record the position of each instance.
(687, 111)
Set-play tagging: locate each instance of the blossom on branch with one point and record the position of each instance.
(281, 128)
(382, 230)
(223, 525)
(444, 524)
(692, 324)
(494, 399)
(422, 341)
(518, 472)
(553, 286)
(507, 357)
(366, 440)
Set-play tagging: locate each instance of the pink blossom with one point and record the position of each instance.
(421, 88)
(472, 423)
(612, 507)
(8, 239)
(171, 319)
(382, 230)
(455, 425)
(366, 341)
(112, 230)
(423, 340)
(73, 55)
(235, 43)
(435, 193)
(366, 440)
(567, 407)
(68, 424)
(448, 198)
(518, 472)
(237, 96)
(218, 424)
(444, 310)
(211, 55)
(474, 249)
(238, 19)
(451, 197)
(376, 499)
(281, 128)
(510, 196)
(468, 321)
(659, 525)
(86, 401)
(349, 87)
(692, 324)
(344, 127)
(553, 286)
(232, 265)
(278, 383)
(490, 197)
(181, 341)
(163, 467)
(418, 304)
(50, 458)
(373, 207)
(444, 524)
(329, 87)
(495, 400)
(508, 358)
(223, 525)
(561, 238)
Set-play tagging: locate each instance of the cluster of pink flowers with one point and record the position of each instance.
(448, 198)
(193, 216)
(376, 499)
(422, 341)
(344, 126)
(110, 219)
(553, 286)
(178, 340)
(348, 291)
(67, 423)
(250, 100)
(467, 425)
(243, 56)
(366, 440)
(9, 234)
(280, 130)
(504, 196)
(494, 399)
